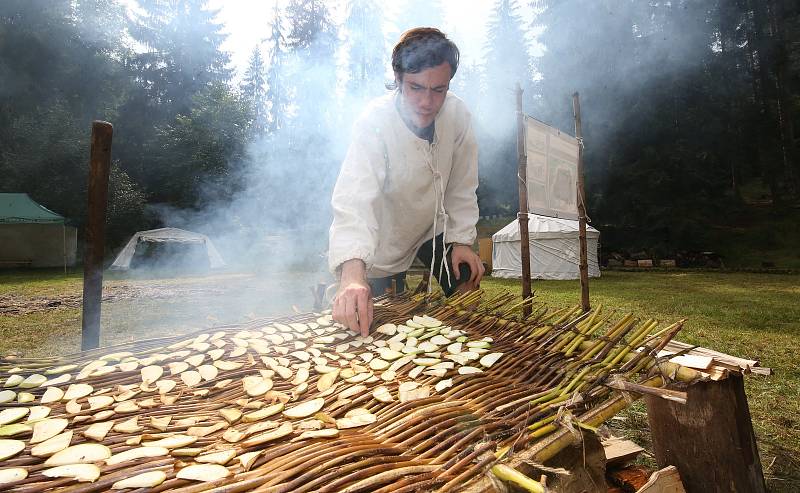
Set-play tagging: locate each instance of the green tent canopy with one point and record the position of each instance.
(16, 208)
(33, 235)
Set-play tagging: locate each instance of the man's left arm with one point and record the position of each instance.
(461, 204)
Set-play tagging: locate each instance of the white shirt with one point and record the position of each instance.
(391, 184)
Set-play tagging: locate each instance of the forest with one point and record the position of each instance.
(690, 110)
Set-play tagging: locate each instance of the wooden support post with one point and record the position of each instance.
(584, 261)
(710, 439)
(522, 216)
(100, 166)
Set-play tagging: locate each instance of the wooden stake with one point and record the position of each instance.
(522, 216)
(584, 262)
(100, 166)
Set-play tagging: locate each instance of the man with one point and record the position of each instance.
(407, 185)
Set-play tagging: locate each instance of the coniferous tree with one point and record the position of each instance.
(507, 64)
(366, 49)
(254, 91)
(277, 92)
(182, 56)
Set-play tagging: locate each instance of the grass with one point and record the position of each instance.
(754, 316)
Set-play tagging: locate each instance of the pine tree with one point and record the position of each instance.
(507, 64)
(183, 53)
(508, 60)
(276, 92)
(254, 91)
(312, 43)
(366, 49)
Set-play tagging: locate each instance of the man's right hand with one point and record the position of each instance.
(352, 306)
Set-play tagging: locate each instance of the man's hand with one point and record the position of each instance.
(462, 254)
(352, 306)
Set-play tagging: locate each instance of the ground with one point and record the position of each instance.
(755, 316)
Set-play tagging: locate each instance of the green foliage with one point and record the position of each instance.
(200, 150)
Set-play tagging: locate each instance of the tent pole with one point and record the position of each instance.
(522, 216)
(584, 263)
(100, 163)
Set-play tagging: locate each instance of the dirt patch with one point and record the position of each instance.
(22, 305)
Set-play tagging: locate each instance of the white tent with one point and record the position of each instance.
(555, 253)
(167, 235)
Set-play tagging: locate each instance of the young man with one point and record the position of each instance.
(407, 185)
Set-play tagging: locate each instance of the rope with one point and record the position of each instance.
(438, 208)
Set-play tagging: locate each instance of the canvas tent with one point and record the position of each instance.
(555, 253)
(167, 235)
(32, 235)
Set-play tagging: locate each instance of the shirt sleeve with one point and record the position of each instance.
(460, 199)
(356, 199)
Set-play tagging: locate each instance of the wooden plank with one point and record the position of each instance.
(665, 480)
(710, 439)
(620, 451)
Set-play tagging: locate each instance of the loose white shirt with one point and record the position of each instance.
(392, 183)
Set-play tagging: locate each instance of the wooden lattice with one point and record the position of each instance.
(226, 398)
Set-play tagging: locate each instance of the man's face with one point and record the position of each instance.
(422, 94)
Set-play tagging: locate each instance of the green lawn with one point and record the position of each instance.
(755, 316)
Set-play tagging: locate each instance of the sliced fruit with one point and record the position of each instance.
(33, 381)
(469, 370)
(99, 402)
(37, 413)
(83, 453)
(136, 453)
(48, 428)
(128, 426)
(55, 444)
(12, 474)
(76, 391)
(147, 479)
(14, 430)
(10, 448)
(355, 421)
(326, 380)
(171, 442)
(382, 394)
(79, 472)
(191, 378)
(12, 414)
(247, 460)
(204, 472)
(98, 431)
(263, 413)
(490, 359)
(282, 431)
(304, 409)
(151, 373)
(221, 457)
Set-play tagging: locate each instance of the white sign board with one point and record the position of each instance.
(552, 170)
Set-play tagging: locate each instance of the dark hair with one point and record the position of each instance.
(422, 48)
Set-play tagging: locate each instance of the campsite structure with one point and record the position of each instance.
(32, 235)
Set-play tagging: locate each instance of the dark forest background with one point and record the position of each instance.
(690, 112)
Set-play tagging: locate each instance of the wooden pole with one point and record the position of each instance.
(100, 165)
(522, 216)
(584, 261)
